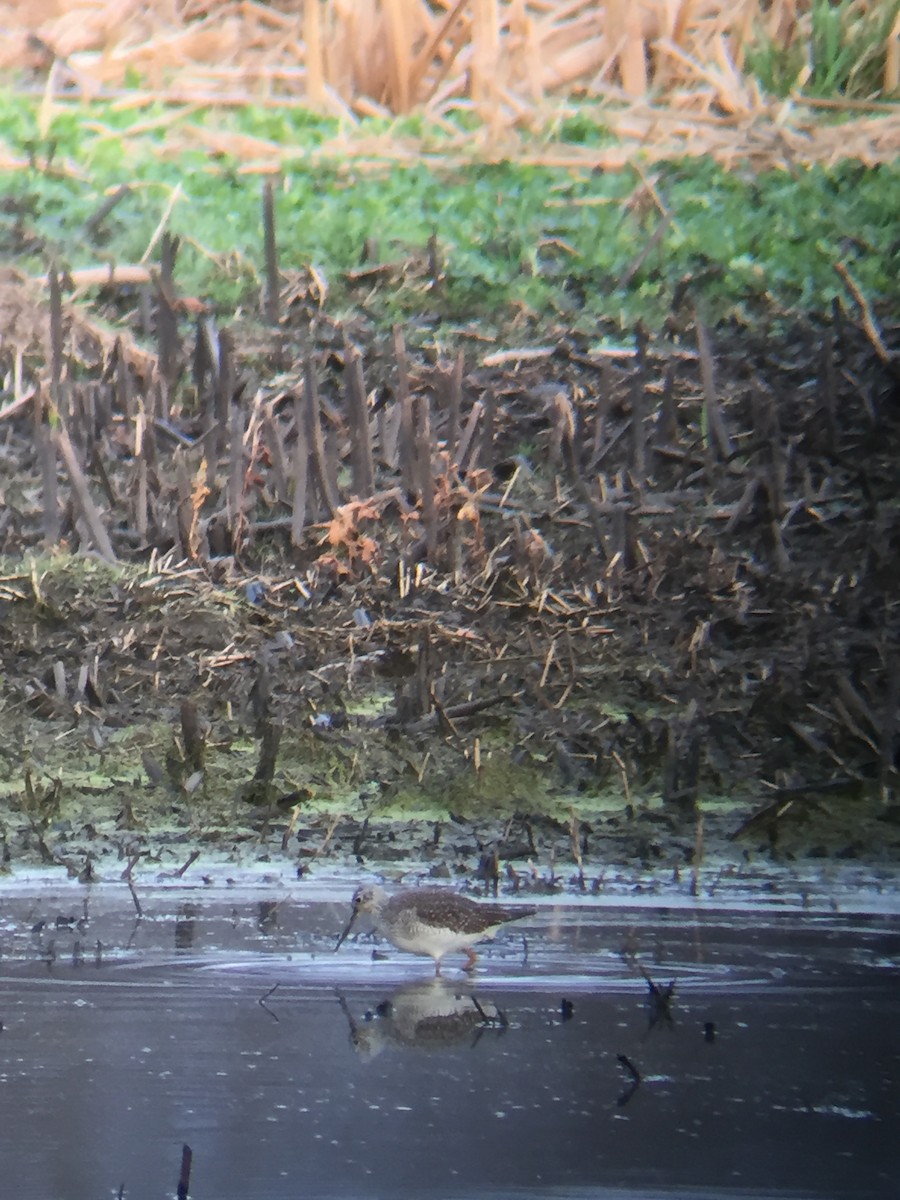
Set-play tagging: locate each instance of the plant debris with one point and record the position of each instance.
(449, 588)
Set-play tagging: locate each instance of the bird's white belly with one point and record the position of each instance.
(428, 939)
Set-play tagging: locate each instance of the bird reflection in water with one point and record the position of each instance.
(428, 1016)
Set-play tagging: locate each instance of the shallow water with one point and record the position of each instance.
(776, 1071)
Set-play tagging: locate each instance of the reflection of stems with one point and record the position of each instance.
(134, 897)
(184, 1176)
(698, 855)
(629, 1066)
(262, 1000)
(354, 1028)
(500, 1018)
(633, 1085)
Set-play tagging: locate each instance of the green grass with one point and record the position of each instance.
(845, 53)
(512, 237)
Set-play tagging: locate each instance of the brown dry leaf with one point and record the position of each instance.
(353, 548)
(343, 528)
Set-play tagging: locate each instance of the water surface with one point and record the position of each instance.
(774, 1071)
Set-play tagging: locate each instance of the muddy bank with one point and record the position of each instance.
(330, 594)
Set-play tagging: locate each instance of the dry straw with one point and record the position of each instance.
(672, 73)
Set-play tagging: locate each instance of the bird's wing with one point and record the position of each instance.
(438, 906)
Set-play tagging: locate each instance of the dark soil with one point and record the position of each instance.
(315, 589)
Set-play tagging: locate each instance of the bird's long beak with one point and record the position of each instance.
(349, 926)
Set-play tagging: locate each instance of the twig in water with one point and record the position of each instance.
(192, 858)
(126, 875)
